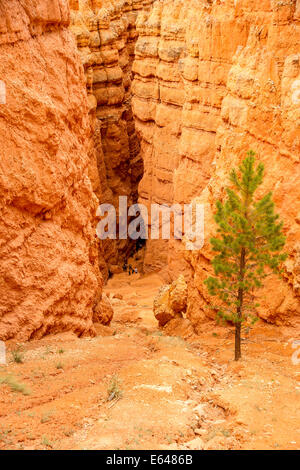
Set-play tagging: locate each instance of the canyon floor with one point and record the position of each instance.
(135, 387)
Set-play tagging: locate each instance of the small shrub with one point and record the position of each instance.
(46, 442)
(46, 417)
(14, 385)
(4, 436)
(113, 390)
(17, 356)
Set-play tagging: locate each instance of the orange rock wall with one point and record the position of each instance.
(50, 280)
(183, 56)
(213, 79)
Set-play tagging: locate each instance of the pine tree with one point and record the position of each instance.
(248, 245)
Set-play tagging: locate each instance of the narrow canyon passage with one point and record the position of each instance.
(106, 36)
(171, 392)
(180, 92)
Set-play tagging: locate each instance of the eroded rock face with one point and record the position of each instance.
(212, 80)
(171, 301)
(106, 35)
(103, 312)
(178, 91)
(50, 280)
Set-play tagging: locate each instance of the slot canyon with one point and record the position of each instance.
(155, 100)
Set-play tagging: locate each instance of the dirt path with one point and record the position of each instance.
(134, 387)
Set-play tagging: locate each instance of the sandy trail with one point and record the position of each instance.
(171, 393)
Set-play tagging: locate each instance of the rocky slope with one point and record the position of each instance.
(50, 280)
(106, 36)
(213, 79)
(177, 393)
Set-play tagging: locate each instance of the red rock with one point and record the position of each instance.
(49, 253)
(171, 301)
(103, 312)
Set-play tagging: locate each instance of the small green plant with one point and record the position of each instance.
(59, 365)
(46, 417)
(46, 442)
(61, 351)
(225, 432)
(114, 388)
(5, 435)
(14, 385)
(17, 356)
(157, 333)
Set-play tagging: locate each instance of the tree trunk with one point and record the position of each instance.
(238, 324)
(237, 350)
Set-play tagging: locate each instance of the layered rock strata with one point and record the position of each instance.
(212, 80)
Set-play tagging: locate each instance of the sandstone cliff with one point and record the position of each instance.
(213, 79)
(50, 280)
